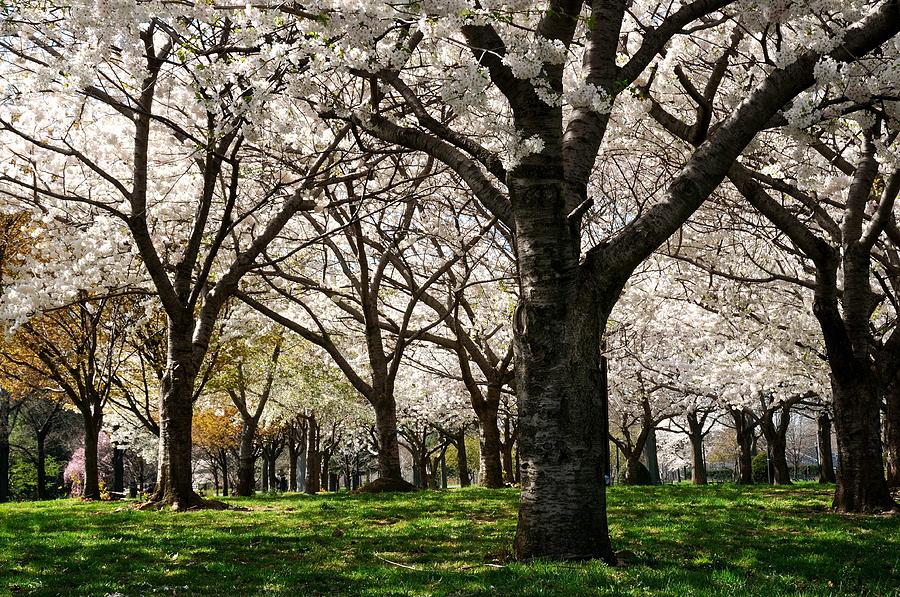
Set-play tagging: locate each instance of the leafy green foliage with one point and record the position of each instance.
(673, 540)
(23, 478)
(760, 468)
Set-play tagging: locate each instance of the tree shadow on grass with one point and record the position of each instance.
(677, 540)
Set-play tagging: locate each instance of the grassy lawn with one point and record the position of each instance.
(674, 540)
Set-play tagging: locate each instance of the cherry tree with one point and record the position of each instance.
(549, 77)
(175, 194)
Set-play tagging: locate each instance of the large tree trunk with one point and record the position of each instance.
(246, 460)
(826, 459)
(861, 486)
(174, 482)
(490, 467)
(91, 470)
(462, 462)
(892, 433)
(557, 328)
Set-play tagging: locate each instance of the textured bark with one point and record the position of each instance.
(892, 433)
(861, 486)
(174, 483)
(388, 446)
(174, 478)
(698, 465)
(557, 327)
(826, 459)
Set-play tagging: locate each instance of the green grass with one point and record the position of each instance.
(674, 540)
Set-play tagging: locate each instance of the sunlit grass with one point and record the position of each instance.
(673, 540)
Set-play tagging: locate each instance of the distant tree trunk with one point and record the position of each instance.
(118, 462)
(273, 472)
(41, 466)
(490, 471)
(892, 432)
(632, 468)
(509, 473)
(826, 459)
(462, 462)
(223, 456)
(651, 458)
(4, 467)
(301, 471)
(247, 460)
(388, 446)
(698, 466)
(313, 466)
(695, 435)
(91, 469)
(4, 444)
(781, 472)
(744, 435)
(264, 473)
(293, 453)
(325, 466)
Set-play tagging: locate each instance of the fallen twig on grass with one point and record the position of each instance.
(397, 563)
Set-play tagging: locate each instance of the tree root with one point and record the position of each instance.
(382, 485)
(195, 502)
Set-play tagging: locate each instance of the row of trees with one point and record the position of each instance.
(480, 180)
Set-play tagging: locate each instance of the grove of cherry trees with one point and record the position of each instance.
(553, 244)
